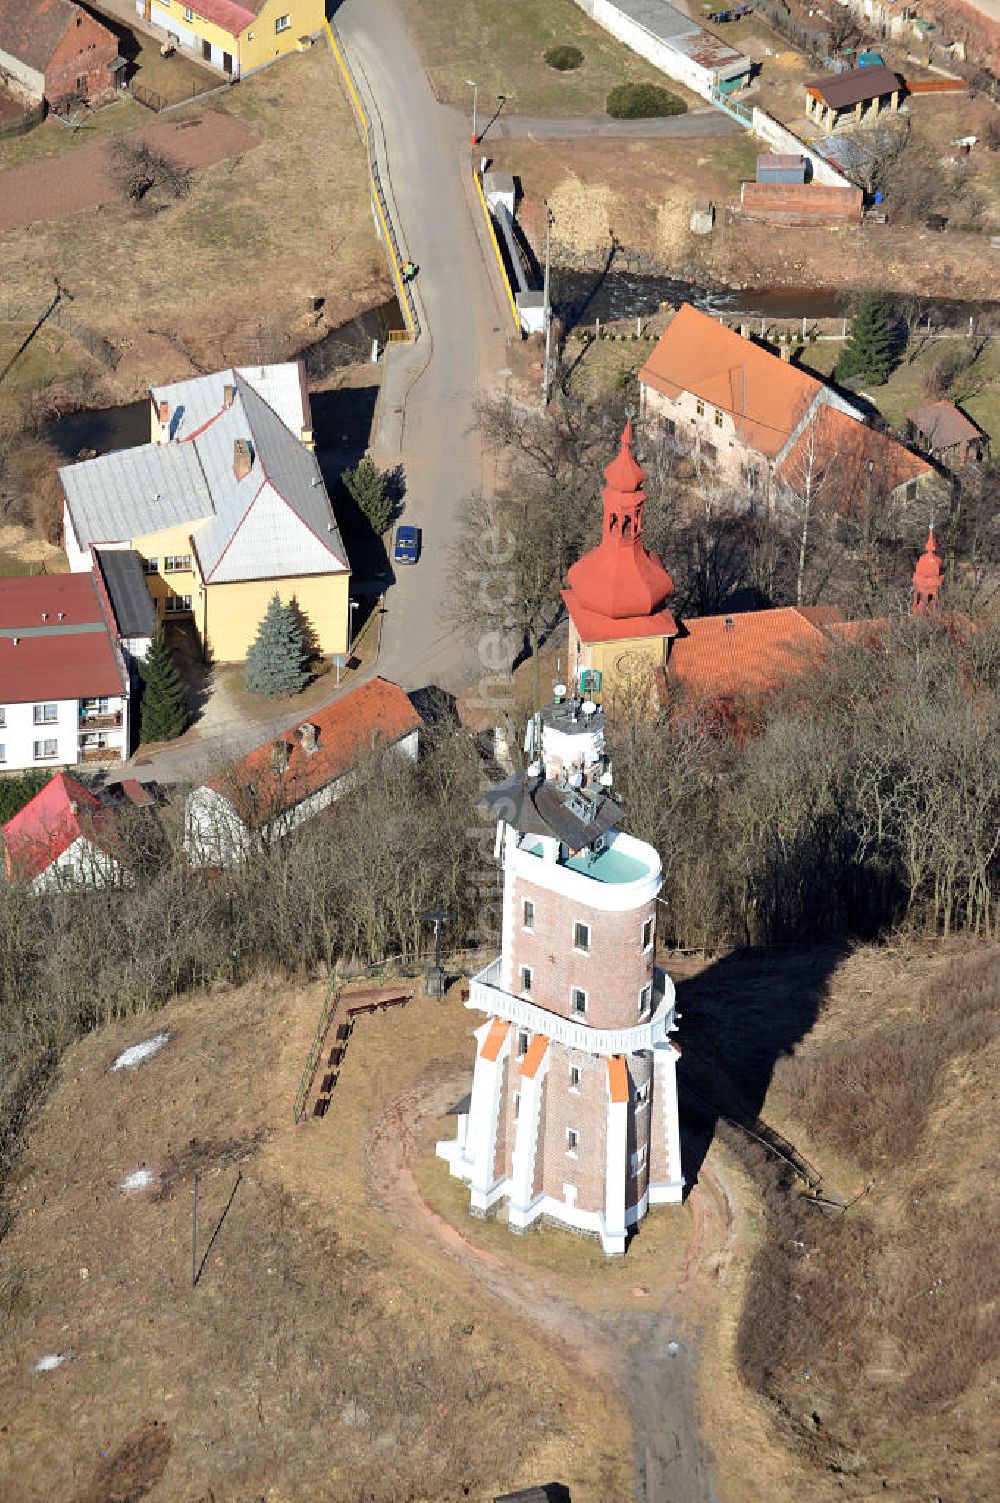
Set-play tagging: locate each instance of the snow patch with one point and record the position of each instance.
(137, 1054)
(51, 1361)
(139, 1179)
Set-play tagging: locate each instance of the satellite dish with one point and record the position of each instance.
(606, 779)
(589, 708)
(559, 690)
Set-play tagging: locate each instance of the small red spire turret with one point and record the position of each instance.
(927, 577)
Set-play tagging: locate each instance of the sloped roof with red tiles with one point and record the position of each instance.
(31, 30)
(763, 394)
(375, 714)
(55, 641)
(58, 815)
(840, 457)
(941, 425)
(753, 652)
(228, 14)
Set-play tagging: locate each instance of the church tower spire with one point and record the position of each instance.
(927, 578)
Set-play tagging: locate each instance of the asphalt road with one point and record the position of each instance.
(461, 351)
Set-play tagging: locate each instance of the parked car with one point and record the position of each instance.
(407, 548)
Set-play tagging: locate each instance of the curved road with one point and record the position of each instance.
(462, 349)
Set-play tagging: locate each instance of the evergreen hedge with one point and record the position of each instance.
(642, 101)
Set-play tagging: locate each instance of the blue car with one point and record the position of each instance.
(407, 549)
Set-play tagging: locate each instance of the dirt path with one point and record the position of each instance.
(640, 1350)
(81, 179)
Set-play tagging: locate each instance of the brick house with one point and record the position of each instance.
(52, 48)
(573, 1109)
(947, 435)
(749, 415)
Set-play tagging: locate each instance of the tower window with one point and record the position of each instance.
(528, 914)
(578, 1000)
(526, 978)
(574, 1077)
(645, 998)
(642, 1094)
(647, 933)
(572, 1141)
(581, 937)
(517, 1105)
(522, 1044)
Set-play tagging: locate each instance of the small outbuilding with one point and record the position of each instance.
(775, 167)
(947, 435)
(850, 98)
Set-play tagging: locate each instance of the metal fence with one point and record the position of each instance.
(378, 196)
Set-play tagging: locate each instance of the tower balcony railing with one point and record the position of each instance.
(487, 995)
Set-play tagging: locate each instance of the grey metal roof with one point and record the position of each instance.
(678, 31)
(121, 570)
(122, 496)
(277, 522)
(537, 807)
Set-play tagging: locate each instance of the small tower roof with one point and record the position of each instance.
(929, 566)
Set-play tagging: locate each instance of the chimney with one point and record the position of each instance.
(242, 458)
(308, 737)
(786, 353)
(306, 437)
(164, 416)
(228, 394)
(744, 331)
(279, 755)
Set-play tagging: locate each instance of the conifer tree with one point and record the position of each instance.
(869, 351)
(367, 485)
(163, 713)
(276, 661)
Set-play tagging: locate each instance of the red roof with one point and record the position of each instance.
(842, 456)
(377, 713)
(225, 13)
(749, 653)
(764, 395)
(620, 589)
(69, 658)
(942, 425)
(39, 833)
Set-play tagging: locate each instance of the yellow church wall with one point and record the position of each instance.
(229, 614)
(626, 667)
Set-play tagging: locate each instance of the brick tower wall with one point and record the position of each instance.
(612, 973)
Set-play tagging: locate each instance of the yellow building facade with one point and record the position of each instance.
(236, 36)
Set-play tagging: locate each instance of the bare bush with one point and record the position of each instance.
(141, 170)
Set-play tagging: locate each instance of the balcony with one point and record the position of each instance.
(99, 754)
(92, 720)
(486, 995)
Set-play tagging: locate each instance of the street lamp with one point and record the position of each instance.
(474, 138)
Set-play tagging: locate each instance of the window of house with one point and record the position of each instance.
(645, 998)
(282, 23)
(700, 408)
(574, 1077)
(177, 563)
(637, 1161)
(526, 977)
(528, 912)
(581, 937)
(647, 933)
(3, 715)
(642, 1094)
(188, 13)
(578, 1000)
(174, 604)
(522, 1043)
(517, 1105)
(81, 84)
(100, 706)
(572, 1141)
(48, 748)
(46, 714)
(911, 491)
(150, 566)
(718, 419)
(3, 752)
(669, 427)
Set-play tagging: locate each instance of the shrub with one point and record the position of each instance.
(632, 101)
(564, 58)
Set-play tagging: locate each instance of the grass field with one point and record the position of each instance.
(238, 263)
(503, 48)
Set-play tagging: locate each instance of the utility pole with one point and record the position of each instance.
(473, 85)
(194, 1231)
(547, 310)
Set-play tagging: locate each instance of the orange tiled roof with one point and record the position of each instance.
(838, 451)
(764, 394)
(377, 713)
(534, 1056)
(617, 1078)
(748, 653)
(493, 1042)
